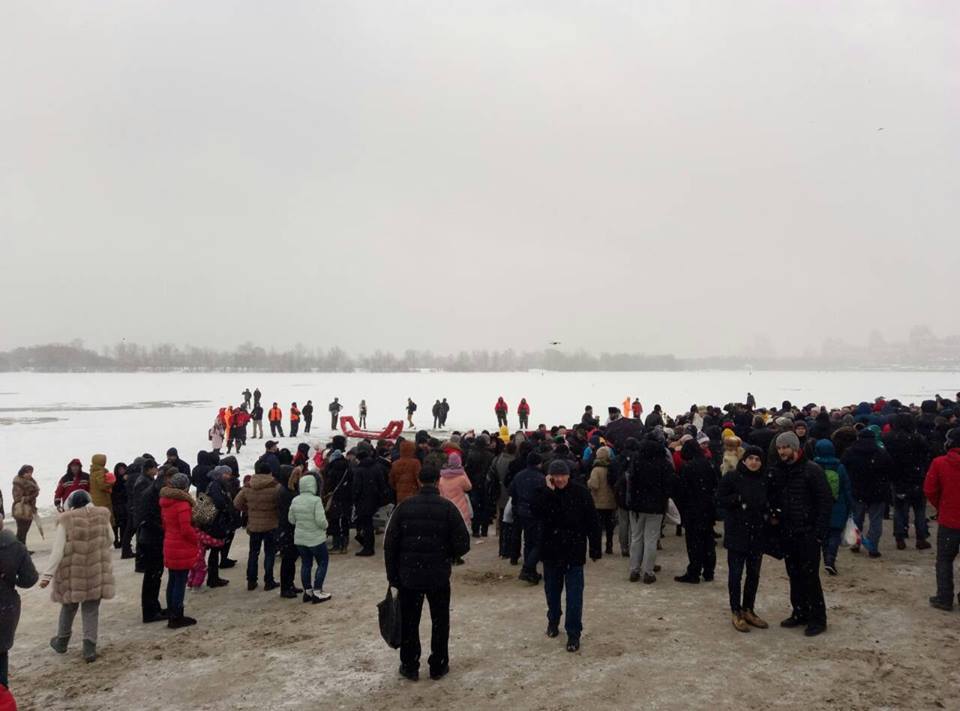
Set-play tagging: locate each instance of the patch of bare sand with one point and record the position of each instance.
(661, 646)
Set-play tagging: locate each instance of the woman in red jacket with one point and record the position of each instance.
(180, 545)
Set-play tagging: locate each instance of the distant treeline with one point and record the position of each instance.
(130, 357)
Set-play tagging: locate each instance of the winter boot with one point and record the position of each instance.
(89, 651)
(754, 620)
(739, 623)
(59, 644)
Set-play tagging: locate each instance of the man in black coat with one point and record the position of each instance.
(307, 413)
(150, 538)
(800, 506)
(911, 458)
(368, 493)
(650, 481)
(698, 483)
(870, 469)
(425, 534)
(569, 523)
(173, 459)
(223, 524)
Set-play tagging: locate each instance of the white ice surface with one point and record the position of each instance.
(555, 398)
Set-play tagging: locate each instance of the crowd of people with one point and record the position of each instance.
(789, 482)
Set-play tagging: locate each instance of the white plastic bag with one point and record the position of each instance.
(851, 534)
(673, 514)
(508, 512)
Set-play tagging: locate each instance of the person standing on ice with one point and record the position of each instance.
(636, 409)
(425, 534)
(294, 419)
(334, 409)
(275, 416)
(500, 410)
(256, 396)
(437, 414)
(523, 412)
(256, 415)
(363, 414)
(307, 413)
(444, 411)
(411, 408)
(800, 507)
(246, 398)
(74, 480)
(570, 526)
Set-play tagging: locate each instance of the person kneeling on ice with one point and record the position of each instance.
(743, 496)
(569, 524)
(310, 537)
(81, 570)
(180, 545)
(425, 534)
(800, 507)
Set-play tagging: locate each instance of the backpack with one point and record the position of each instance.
(204, 512)
(833, 479)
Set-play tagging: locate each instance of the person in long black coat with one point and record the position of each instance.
(871, 471)
(569, 524)
(285, 545)
(697, 485)
(16, 571)
(223, 524)
(426, 533)
(368, 493)
(337, 487)
(742, 495)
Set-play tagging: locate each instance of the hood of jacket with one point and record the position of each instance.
(231, 461)
(407, 449)
(308, 485)
(262, 481)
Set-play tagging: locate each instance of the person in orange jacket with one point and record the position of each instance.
(294, 419)
(275, 416)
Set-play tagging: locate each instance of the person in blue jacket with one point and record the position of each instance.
(825, 455)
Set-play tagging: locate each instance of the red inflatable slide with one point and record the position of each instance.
(350, 429)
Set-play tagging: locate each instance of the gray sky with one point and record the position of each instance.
(662, 177)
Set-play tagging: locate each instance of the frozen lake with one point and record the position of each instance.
(46, 419)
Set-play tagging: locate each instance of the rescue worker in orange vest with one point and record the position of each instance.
(637, 408)
(275, 416)
(294, 419)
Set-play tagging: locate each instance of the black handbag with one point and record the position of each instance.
(388, 612)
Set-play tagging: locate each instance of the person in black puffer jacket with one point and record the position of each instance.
(368, 493)
(336, 486)
(743, 496)
(223, 524)
(206, 461)
(285, 546)
(650, 482)
(800, 506)
(910, 454)
(698, 511)
(425, 534)
(570, 524)
(870, 469)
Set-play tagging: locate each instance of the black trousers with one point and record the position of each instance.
(436, 421)
(126, 539)
(801, 554)
(150, 587)
(23, 527)
(524, 421)
(294, 427)
(501, 419)
(608, 523)
(288, 565)
(411, 608)
(701, 550)
(306, 423)
(213, 564)
(736, 562)
(334, 416)
(365, 531)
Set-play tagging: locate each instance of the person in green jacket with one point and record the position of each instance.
(310, 537)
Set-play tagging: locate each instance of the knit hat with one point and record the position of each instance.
(753, 451)
(788, 439)
(180, 481)
(953, 438)
(559, 467)
(784, 422)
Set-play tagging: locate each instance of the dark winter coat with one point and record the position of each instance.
(742, 496)
(762, 437)
(697, 488)
(271, 460)
(227, 518)
(800, 498)
(843, 503)
(16, 571)
(523, 490)
(206, 461)
(910, 456)
(870, 469)
(426, 532)
(284, 499)
(569, 524)
(368, 486)
(333, 481)
(650, 480)
(149, 519)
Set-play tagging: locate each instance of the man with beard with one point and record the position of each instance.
(800, 507)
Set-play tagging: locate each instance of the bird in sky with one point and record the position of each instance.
(554, 343)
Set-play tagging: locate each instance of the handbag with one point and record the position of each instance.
(388, 612)
(204, 512)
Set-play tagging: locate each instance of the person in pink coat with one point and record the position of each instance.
(454, 485)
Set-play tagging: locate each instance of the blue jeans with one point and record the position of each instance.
(531, 543)
(176, 588)
(307, 556)
(831, 545)
(555, 577)
(269, 541)
(901, 517)
(870, 538)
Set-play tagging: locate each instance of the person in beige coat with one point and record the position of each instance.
(25, 492)
(81, 570)
(603, 499)
(101, 483)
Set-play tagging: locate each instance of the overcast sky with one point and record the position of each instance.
(680, 177)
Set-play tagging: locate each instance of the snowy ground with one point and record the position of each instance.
(47, 419)
(662, 646)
